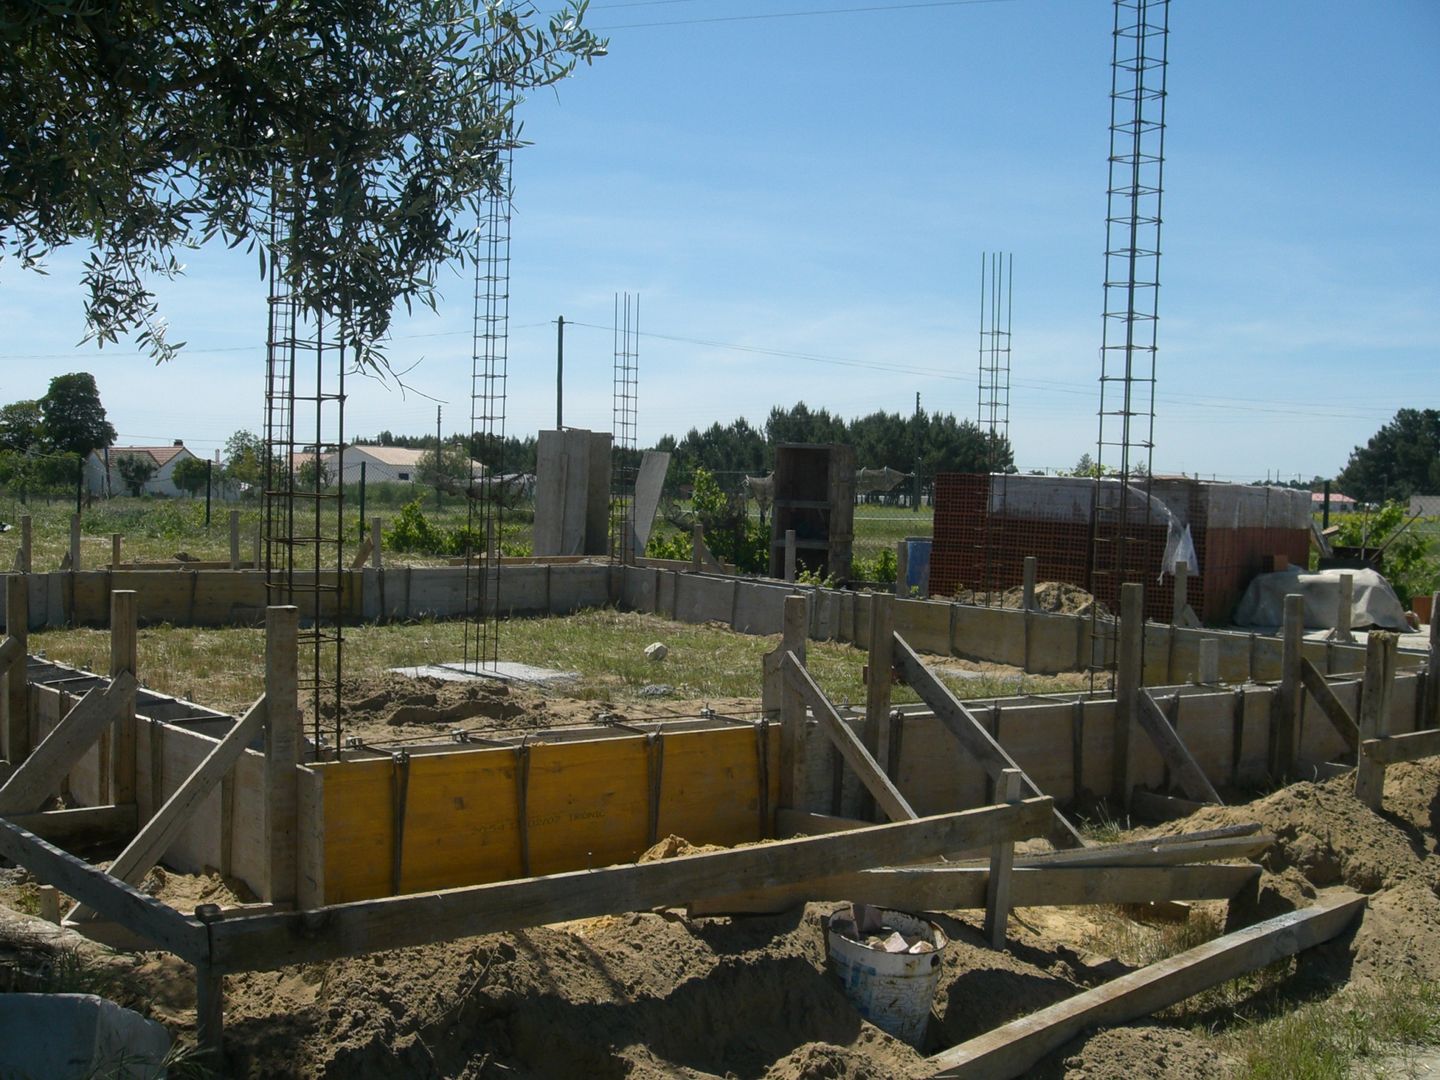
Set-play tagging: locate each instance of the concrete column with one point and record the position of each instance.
(1032, 571)
(1285, 716)
(234, 539)
(789, 554)
(1129, 677)
(124, 657)
(17, 688)
(283, 745)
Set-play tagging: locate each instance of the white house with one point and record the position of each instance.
(1425, 505)
(388, 464)
(102, 470)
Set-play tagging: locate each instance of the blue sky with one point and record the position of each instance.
(826, 184)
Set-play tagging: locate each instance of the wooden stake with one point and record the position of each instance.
(1343, 609)
(880, 674)
(790, 555)
(1432, 669)
(74, 542)
(117, 543)
(234, 539)
(1184, 769)
(124, 653)
(17, 688)
(697, 541)
(377, 560)
(39, 775)
(1375, 714)
(1002, 862)
(26, 547)
(1180, 598)
(793, 775)
(283, 745)
(1330, 705)
(902, 567)
(1129, 677)
(1032, 571)
(1285, 715)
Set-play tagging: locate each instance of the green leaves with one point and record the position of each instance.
(135, 128)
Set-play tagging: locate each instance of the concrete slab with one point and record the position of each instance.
(505, 671)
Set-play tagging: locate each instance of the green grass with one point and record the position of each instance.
(221, 668)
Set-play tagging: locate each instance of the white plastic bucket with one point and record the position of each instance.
(893, 991)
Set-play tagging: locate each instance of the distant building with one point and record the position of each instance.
(1339, 504)
(102, 470)
(1425, 505)
(388, 464)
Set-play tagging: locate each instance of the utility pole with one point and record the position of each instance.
(439, 463)
(915, 496)
(560, 373)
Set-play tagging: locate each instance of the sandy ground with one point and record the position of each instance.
(657, 994)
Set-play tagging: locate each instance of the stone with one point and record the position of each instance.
(656, 651)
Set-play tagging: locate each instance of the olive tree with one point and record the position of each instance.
(353, 141)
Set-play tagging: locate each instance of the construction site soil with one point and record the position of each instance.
(657, 994)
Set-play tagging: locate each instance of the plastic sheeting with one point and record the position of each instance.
(1374, 603)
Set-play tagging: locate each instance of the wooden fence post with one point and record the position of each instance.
(1432, 669)
(902, 567)
(792, 709)
(1179, 598)
(117, 545)
(1375, 690)
(1285, 711)
(1129, 677)
(697, 542)
(27, 549)
(1343, 610)
(790, 555)
(282, 752)
(124, 658)
(1002, 862)
(234, 539)
(376, 528)
(878, 679)
(74, 541)
(17, 688)
(1032, 571)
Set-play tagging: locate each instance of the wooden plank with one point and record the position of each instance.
(149, 845)
(1375, 714)
(83, 825)
(39, 776)
(1183, 767)
(961, 888)
(282, 752)
(165, 927)
(1002, 861)
(1013, 1048)
(1285, 732)
(1156, 852)
(310, 845)
(1330, 705)
(17, 690)
(886, 795)
(266, 942)
(879, 676)
(1411, 746)
(970, 733)
(793, 770)
(123, 658)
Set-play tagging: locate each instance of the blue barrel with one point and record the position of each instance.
(917, 564)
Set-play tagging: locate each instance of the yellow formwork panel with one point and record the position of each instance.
(710, 785)
(587, 804)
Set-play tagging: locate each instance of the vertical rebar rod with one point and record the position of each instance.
(624, 412)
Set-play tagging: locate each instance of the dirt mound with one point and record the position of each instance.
(1139, 1050)
(1059, 597)
(1332, 838)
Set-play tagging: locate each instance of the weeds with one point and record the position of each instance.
(1141, 944)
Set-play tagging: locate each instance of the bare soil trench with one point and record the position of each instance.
(656, 994)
